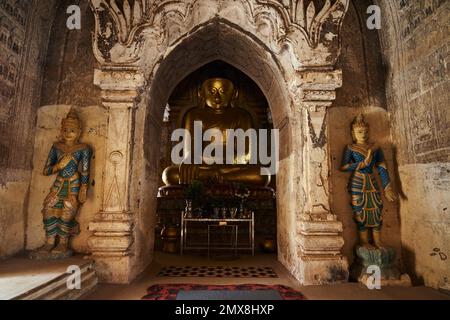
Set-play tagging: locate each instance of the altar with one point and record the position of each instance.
(234, 223)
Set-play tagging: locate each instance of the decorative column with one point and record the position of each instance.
(320, 241)
(112, 228)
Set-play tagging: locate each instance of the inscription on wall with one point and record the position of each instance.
(13, 17)
(24, 34)
(423, 40)
(415, 12)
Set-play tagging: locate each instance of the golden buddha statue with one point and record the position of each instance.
(217, 110)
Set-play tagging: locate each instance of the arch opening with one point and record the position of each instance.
(222, 44)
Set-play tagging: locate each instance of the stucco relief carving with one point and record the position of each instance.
(318, 137)
(297, 26)
(114, 197)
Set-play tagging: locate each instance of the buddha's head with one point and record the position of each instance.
(360, 130)
(71, 127)
(217, 93)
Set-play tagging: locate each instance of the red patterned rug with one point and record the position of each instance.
(170, 291)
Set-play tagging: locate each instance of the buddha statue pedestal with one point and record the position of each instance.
(384, 259)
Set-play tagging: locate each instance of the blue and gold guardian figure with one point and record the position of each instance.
(361, 159)
(70, 161)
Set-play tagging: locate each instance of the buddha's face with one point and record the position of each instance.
(70, 133)
(360, 134)
(217, 93)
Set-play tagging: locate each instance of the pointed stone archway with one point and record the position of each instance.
(144, 55)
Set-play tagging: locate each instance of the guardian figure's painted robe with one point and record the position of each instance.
(366, 201)
(61, 204)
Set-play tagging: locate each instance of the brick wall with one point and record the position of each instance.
(24, 34)
(24, 30)
(415, 40)
(70, 63)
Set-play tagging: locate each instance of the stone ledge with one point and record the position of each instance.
(327, 80)
(110, 243)
(118, 80)
(111, 226)
(319, 227)
(321, 243)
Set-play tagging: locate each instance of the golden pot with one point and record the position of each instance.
(269, 245)
(169, 235)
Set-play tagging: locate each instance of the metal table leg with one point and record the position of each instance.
(182, 234)
(253, 233)
(236, 230)
(209, 232)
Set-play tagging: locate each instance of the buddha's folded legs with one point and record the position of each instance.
(246, 174)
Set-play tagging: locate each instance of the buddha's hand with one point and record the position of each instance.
(390, 195)
(63, 162)
(82, 195)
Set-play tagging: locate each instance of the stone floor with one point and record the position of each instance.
(352, 291)
(21, 277)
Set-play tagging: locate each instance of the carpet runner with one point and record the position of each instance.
(219, 292)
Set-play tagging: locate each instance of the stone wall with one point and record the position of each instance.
(54, 66)
(68, 73)
(361, 61)
(415, 39)
(417, 91)
(69, 80)
(24, 35)
(70, 63)
(13, 197)
(363, 91)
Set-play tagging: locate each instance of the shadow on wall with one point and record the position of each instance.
(396, 174)
(409, 261)
(408, 257)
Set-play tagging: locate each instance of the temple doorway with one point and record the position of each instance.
(213, 215)
(191, 57)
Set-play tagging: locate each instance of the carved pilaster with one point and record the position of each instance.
(320, 240)
(112, 227)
